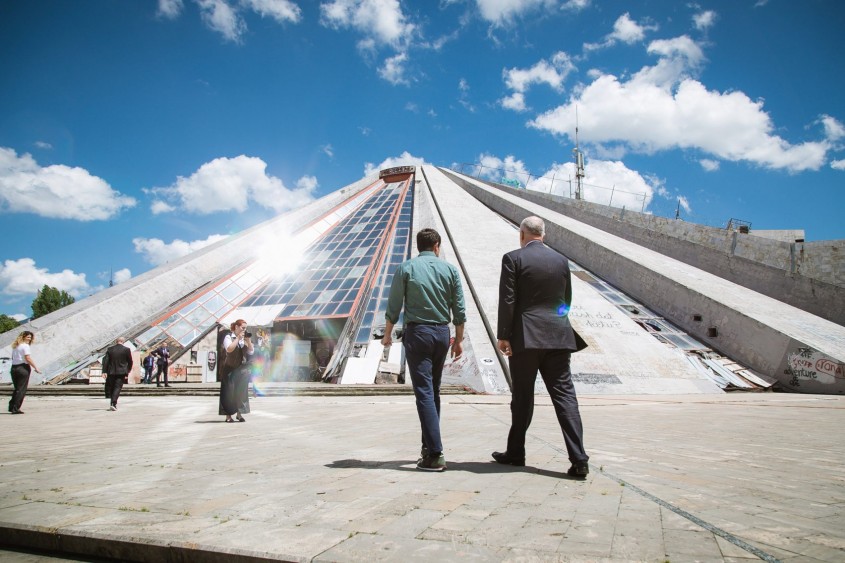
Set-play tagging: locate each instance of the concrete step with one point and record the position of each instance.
(213, 389)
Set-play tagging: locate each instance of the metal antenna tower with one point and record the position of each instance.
(579, 162)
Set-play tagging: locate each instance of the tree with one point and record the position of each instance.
(49, 299)
(7, 323)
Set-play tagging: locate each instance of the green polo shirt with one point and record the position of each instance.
(430, 289)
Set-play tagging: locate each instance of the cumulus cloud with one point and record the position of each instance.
(226, 16)
(552, 72)
(121, 275)
(625, 30)
(605, 182)
(57, 191)
(663, 108)
(404, 159)
(833, 129)
(229, 184)
(838, 164)
(22, 277)
(393, 70)
(280, 10)
(704, 20)
(502, 12)
(170, 8)
(709, 165)
(157, 252)
(380, 21)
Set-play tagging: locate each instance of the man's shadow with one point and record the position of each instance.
(479, 467)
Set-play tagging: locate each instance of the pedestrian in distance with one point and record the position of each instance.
(535, 295)
(430, 291)
(117, 363)
(149, 364)
(234, 372)
(22, 366)
(162, 363)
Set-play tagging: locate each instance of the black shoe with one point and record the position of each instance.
(579, 470)
(506, 459)
(166, 385)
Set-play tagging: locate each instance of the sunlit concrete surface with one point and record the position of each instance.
(674, 478)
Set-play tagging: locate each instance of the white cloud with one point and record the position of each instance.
(43, 145)
(684, 203)
(833, 129)
(19, 317)
(625, 30)
(709, 165)
(662, 108)
(121, 275)
(280, 10)
(159, 206)
(704, 20)
(307, 183)
(381, 21)
(551, 72)
(328, 150)
(394, 69)
(157, 252)
(404, 159)
(170, 8)
(229, 184)
(222, 18)
(463, 96)
(22, 277)
(501, 12)
(838, 164)
(57, 191)
(605, 182)
(575, 5)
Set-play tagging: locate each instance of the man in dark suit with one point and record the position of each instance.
(535, 294)
(117, 363)
(163, 364)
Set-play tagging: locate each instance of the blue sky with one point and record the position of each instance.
(132, 132)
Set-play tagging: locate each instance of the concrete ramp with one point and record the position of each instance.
(804, 352)
(622, 357)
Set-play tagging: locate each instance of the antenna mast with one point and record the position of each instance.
(579, 162)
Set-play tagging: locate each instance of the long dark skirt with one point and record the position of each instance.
(241, 383)
(228, 406)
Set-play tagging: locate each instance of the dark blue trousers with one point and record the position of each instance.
(426, 348)
(553, 366)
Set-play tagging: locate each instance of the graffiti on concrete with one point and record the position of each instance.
(808, 367)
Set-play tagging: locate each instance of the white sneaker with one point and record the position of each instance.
(112, 408)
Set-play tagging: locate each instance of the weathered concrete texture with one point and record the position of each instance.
(810, 276)
(621, 357)
(762, 333)
(73, 332)
(677, 478)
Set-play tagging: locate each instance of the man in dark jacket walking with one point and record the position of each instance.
(117, 363)
(535, 294)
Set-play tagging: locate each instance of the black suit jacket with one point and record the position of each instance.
(535, 293)
(118, 360)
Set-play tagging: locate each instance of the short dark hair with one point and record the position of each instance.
(426, 239)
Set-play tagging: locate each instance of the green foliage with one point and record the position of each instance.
(49, 299)
(7, 323)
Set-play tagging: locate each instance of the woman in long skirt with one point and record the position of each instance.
(236, 345)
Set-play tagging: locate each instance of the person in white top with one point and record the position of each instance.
(22, 366)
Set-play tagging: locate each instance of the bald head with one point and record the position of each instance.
(531, 228)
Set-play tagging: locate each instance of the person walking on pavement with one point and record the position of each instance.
(234, 372)
(535, 294)
(117, 363)
(22, 366)
(430, 290)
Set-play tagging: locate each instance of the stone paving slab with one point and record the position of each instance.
(674, 478)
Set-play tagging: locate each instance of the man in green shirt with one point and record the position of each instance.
(431, 292)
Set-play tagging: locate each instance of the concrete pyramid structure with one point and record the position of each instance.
(667, 307)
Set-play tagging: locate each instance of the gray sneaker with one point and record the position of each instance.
(434, 462)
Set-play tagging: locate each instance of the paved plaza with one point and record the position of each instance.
(332, 478)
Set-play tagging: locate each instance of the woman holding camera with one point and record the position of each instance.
(234, 375)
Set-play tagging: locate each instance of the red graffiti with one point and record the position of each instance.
(830, 367)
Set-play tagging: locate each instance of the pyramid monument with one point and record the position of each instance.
(666, 306)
